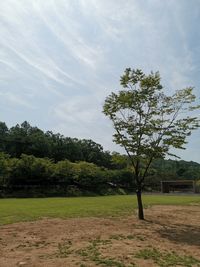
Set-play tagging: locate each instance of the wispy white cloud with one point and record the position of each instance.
(61, 58)
(7, 97)
(25, 41)
(83, 116)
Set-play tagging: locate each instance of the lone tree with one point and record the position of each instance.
(149, 123)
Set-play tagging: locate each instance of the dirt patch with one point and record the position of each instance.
(169, 235)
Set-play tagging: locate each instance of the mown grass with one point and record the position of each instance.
(16, 210)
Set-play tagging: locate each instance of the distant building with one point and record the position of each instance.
(178, 186)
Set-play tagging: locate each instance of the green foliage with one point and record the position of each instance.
(56, 166)
(4, 169)
(41, 177)
(119, 161)
(123, 178)
(149, 123)
(30, 170)
(89, 175)
(64, 172)
(31, 176)
(25, 139)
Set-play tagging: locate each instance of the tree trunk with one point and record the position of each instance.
(140, 206)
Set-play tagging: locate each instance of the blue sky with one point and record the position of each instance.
(59, 59)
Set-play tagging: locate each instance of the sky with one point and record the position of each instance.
(59, 59)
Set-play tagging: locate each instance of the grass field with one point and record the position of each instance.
(105, 235)
(16, 210)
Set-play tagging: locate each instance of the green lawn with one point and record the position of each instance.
(15, 210)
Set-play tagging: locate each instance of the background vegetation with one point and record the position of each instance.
(37, 163)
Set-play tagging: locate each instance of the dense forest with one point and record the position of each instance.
(38, 163)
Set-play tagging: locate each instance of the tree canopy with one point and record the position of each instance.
(64, 166)
(147, 122)
(26, 139)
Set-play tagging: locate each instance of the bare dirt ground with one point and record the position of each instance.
(167, 236)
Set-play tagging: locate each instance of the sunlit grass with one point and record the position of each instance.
(16, 210)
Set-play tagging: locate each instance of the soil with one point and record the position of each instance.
(85, 242)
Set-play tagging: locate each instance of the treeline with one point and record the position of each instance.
(177, 169)
(31, 176)
(26, 139)
(38, 163)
